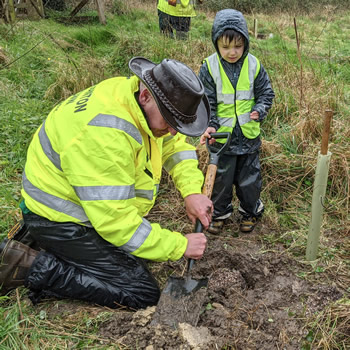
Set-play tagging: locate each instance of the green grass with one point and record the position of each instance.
(44, 62)
(51, 327)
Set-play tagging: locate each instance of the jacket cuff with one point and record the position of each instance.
(193, 189)
(214, 125)
(181, 246)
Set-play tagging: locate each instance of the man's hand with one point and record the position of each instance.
(206, 135)
(199, 206)
(197, 242)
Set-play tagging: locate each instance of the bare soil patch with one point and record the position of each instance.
(254, 300)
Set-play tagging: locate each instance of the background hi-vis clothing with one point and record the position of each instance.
(95, 162)
(183, 8)
(235, 104)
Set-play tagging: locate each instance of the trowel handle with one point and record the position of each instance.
(221, 135)
(197, 228)
(214, 155)
(190, 265)
(209, 181)
(326, 131)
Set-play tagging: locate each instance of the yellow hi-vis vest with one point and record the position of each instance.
(94, 161)
(235, 105)
(183, 8)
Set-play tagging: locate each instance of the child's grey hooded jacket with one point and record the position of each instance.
(232, 19)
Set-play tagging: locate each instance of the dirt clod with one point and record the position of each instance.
(225, 279)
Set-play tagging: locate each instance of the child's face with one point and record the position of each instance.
(231, 51)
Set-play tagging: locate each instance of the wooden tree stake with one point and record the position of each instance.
(326, 130)
(255, 28)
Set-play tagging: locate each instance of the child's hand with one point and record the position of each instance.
(254, 115)
(206, 135)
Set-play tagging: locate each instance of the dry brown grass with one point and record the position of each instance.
(74, 79)
(331, 327)
(3, 57)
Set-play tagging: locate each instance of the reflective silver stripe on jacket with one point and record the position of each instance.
(104, 193)
(96, 193)
(138, 237)
(244, 118)
(147, 194)
(215, 71)
(226, 121)
(253, 66)
(112, 121)
(178, 2)
(109, 121)
(177, 158)
(244, 95)
(53, 202)
(240, 94)
(47, 148)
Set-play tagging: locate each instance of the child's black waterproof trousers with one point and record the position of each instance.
(242, 172)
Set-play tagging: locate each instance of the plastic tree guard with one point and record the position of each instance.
(319, 192)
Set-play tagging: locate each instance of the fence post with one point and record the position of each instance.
(255, 28)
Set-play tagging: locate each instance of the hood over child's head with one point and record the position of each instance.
(227, 20)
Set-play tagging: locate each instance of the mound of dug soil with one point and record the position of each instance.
(254, 300)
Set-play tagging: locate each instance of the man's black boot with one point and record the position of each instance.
(15, 260)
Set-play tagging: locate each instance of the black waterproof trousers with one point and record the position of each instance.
(242, 172)
(168, 23)
(77, 263)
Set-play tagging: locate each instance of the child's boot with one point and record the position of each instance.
(216, 226)
(247, 223)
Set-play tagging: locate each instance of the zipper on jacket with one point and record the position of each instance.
(148, 158)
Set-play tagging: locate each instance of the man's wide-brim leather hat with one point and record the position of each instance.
(178, 93)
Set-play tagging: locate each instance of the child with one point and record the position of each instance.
(240, 95)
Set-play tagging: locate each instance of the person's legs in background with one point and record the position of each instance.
(182, 27)
(165, 24)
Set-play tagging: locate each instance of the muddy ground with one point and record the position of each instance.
(254, 300)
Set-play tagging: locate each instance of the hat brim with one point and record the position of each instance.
(139, 66)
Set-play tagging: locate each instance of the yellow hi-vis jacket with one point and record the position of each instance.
(94, 161)
(183, 8)
(235, 105)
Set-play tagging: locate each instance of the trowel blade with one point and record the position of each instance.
(177, 287)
